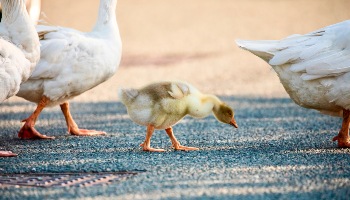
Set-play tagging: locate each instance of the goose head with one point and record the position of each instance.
(225, 114)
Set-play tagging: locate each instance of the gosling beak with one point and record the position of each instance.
(233, 123)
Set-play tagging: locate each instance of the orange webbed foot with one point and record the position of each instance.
(342, 143)
(86, 132)
(150, 149)
(176, 144)
(7, 154)
(180, 147)
(29, 132)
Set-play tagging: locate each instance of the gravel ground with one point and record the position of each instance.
(280, 151)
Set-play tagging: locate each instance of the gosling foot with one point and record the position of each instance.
(7, 154)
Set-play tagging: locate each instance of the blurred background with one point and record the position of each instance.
(193, 40)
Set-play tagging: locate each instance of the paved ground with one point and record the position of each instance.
(279, 151)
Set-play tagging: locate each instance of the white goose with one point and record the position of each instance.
(314, 70)
(19, 49)
(71, 63)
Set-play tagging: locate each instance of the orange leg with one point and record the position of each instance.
(343, 136)
(28, 131)
(176, 144)
(146, 145)
(73, 127)
(7, 154)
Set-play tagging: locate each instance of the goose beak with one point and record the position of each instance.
(233, 123)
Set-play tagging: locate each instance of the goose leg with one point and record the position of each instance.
(73, 127)
(7, 154)
(28, 131)
(146, 145)
(176, 144)
(343, 136)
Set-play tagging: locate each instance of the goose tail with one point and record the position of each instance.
(261, 48)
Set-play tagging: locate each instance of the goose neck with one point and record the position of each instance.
(106, 18)
(11, 10)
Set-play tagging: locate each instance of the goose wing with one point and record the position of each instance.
(178, 90)
(14, 68)
(58, 46)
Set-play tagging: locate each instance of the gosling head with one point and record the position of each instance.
(225, 115)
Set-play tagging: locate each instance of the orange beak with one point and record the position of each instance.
(234, 123)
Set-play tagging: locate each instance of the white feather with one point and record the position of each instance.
(284, 56)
